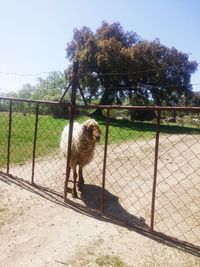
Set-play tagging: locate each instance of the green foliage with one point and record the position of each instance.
(60, 111)
(117, 67)
(49, 132)
(49, 88)
(111, 59)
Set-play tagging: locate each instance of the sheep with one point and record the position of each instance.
(195, 120)
(84, 139)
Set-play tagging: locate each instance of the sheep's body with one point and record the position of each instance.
(84, 141)
(82, 151)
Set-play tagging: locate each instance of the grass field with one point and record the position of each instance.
(49, 130)
(22, 136)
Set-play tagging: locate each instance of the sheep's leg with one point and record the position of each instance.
(80, 180)
(74, 193)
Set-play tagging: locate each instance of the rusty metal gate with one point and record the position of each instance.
(146, 174)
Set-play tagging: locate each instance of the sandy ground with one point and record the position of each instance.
(39, 229)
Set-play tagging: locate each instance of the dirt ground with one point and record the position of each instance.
(39, 229)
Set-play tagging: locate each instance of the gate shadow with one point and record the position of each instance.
(91, 197)
(113, 207)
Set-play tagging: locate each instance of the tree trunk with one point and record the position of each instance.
(106, 99)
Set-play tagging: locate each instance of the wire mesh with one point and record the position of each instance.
(177, 200)
(49, 165)
(129, 169)
(130, 162)
(22, 129)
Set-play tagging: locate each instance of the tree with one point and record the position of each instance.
(100, 54)
(52, 88)
(49, 88)
(115, 63)
(164, 71)
(196, 99)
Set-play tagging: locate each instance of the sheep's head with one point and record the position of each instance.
(91, 130)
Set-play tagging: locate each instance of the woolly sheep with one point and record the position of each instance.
(84, 139)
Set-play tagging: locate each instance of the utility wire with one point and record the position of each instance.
(93, 74)
(25, 74)
(106, 74)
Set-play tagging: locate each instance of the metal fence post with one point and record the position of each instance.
(104, 161)
(34, 142)
(155, 171)
(9, 137)
(71, 122)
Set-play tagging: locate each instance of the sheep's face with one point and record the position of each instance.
(91, 131)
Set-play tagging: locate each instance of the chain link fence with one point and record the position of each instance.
(151, 168)
(178, 185)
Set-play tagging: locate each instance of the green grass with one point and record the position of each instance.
(110, 261)
(22, 136)
(49, 131)
(124, 130)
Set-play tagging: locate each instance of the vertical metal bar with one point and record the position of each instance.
(66, 89)
(104, 162)
(34, 142)
(9, 137)
(71, 122)
(155, 171)
(82, 95)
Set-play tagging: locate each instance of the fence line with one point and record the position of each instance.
(146, 174)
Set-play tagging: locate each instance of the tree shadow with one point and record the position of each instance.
(91, 197)
(149, 126)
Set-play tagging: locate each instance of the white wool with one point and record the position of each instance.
(82, 148)
(77, 131)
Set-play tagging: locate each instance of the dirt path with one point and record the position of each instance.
(37, 229)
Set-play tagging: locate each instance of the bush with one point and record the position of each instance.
(143, 115)
(60, 111)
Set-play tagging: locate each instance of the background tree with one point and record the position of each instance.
(115, 65)
(164, 71)
(100, 54)
(49, 88)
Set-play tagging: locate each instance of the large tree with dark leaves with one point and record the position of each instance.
(116, 65)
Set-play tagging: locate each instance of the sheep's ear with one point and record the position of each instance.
(84, 129)
(87, 128)
(90, 129)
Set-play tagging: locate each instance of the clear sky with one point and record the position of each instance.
(34, 33)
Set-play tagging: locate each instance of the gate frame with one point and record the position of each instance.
(72, 111)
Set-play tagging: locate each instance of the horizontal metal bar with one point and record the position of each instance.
(28, 100)
(120, 107)
(150, 108)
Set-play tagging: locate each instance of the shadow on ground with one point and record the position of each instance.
(111, 208)
(91, 196)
